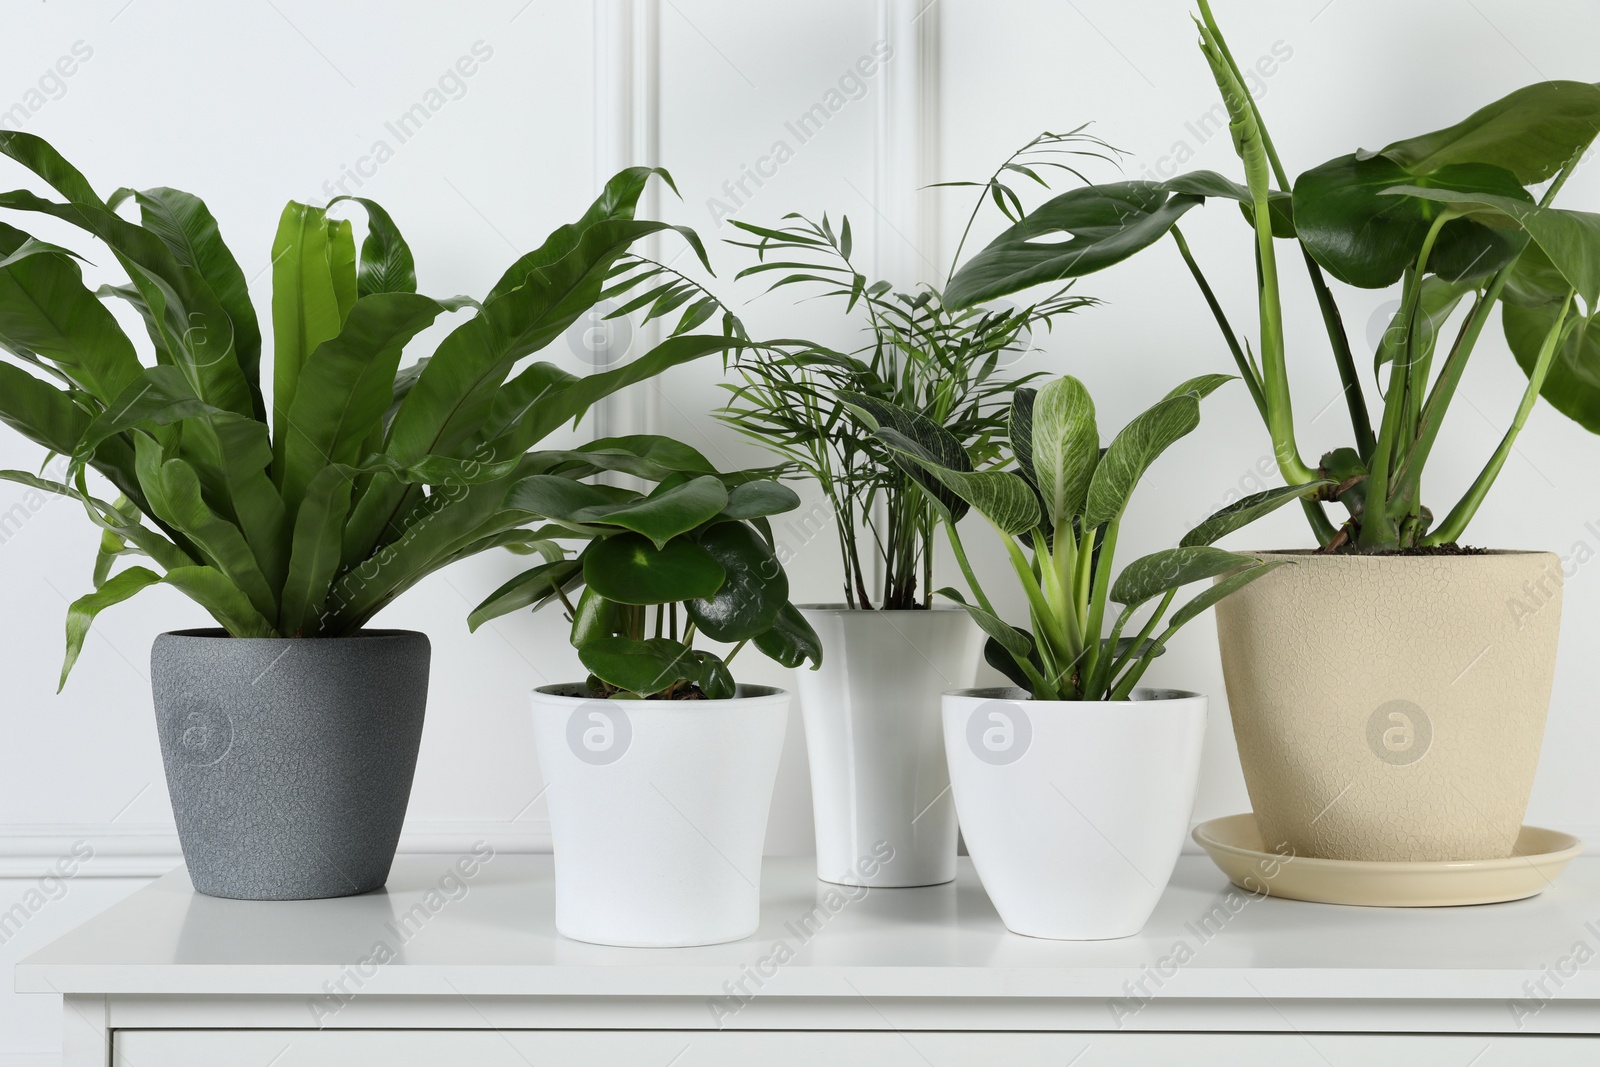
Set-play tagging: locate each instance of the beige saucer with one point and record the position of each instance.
(1235, 845)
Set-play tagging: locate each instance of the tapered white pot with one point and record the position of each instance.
(879, 781)
(1074, 811)
(658, 812)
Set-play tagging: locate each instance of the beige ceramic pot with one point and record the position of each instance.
(1392, 707)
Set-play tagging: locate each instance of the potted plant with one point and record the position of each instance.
(289, 733)
(1410, 732)
(659, 766)
(1074, 789)
(877, 762)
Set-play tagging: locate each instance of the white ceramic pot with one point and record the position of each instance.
(1074, 811)
(658, 812)
(1392, 708)
(878, 775)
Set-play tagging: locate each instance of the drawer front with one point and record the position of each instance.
(691, 1048)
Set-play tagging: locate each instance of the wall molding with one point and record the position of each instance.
(148, 851)
(907, 242)
(627, 133)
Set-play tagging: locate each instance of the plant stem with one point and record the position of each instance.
(966, 569)
(1355, 400)
(1097, 596)
(1246, 370)
(729, 657)
(1456, 522)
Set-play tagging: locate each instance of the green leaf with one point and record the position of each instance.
(1103, 225)
(1133, 450)
(1172, 568)
(305, 307)
(559, 498)
(1280, 205)
(1065, 446)
(595, 617)
(1221, 590)
(387, 265)
(1016, 642)
(39, 411)
(1247, 510)
(1003, 497)
(528, 588)
(641, 667)
(754, 591)
(46, 310)
(186, 226)
(754, 500)
(1367, 239)
(1572, 384)
(627, 568)
(646, 456)
(1531, 132)
(346, 385)
(209, 588)
(791, 640)
(933, 443)
(713, 677)
(1570, 240)
(1435, 305)
(315, 556)
(221, 542)
(81, 613)
(662, 515)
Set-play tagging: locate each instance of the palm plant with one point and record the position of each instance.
(922, 355)
(307, 518)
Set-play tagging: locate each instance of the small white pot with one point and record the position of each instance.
(879, 782)
(1074, 811)
(658, 812)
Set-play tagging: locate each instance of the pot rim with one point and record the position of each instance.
(845, 609)
(1154, 695)
(217, 633)
(746, 693)
(1398, 557)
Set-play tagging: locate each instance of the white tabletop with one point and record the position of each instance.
(943, 941)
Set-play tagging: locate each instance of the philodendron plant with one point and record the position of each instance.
(306, 519)
(1057, 502)
(1455, 217)
(692, 557)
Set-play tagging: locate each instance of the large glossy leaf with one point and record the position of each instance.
(1065, 448)
(1531, 132)
(662, 515)
(387, 265)
(1247, 510)
(305, 307)
(1280, 205)
(1133, 450)
(1077, 233)
(47, 311)
(752, 594)
(1572, 384)
(558, 498)
(1172, 568)
(647, 456)
(759, 499)
(640, 667)
(1570, 240)
(1367, 239)
(627, 568)
(791, 640)
(184, 223)
(315, 555)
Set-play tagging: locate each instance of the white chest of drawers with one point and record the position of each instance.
(442, 968)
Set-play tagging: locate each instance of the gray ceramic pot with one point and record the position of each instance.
(289, 760)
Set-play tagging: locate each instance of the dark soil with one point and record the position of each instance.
(1449, 548)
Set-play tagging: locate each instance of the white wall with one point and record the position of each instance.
(248, 104)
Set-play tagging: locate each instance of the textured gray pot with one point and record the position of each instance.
(289, 760)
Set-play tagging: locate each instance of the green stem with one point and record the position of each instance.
(729, 657)
(1455, 523)
(966, 569)
(1242, 361)
(1097, 596)
(1355, 400)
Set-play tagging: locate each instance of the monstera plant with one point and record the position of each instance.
(1463, 220)
(1461, 217)
(296, 510)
